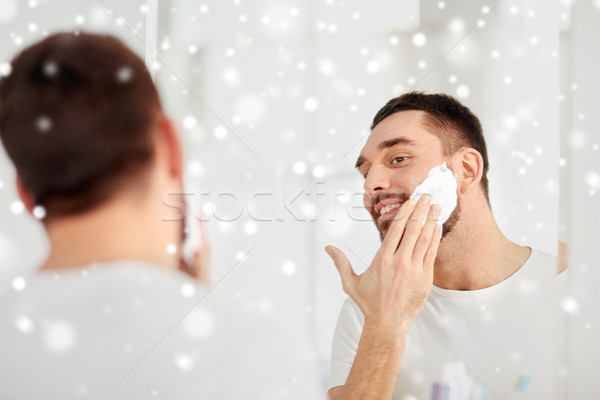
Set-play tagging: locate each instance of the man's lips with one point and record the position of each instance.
(387, 203)
(387, 208)
(389, 214)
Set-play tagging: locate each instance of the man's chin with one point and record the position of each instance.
(383, 228)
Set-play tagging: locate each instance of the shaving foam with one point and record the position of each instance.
(441, 185)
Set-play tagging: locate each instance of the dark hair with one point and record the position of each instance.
(454, 124)
(76, 117)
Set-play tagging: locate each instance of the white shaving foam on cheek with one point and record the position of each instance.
(441, 185)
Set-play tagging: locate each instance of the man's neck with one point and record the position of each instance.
(122, 229)
(476, 254)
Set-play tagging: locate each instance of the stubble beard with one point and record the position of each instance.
(446, 227)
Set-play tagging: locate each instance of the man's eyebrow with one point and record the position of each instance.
(393, 142)
(386, 144)
(359, 161)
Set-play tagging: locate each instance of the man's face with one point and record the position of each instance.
(396, 158)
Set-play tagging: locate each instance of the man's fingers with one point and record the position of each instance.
(425, 237)
(413, 227)
(396, 230)
(429, 260)
(344, 268)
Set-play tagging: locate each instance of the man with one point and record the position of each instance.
(110, 315)
(470, 318)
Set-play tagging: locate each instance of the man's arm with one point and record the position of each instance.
(562, 256)
(390, 294)
(376, 365)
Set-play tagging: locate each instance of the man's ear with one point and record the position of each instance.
(25, 196)
(469, 169)
(168, 142)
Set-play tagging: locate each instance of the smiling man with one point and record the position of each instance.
(470, 318)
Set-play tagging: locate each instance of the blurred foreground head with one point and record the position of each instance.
(76, 118)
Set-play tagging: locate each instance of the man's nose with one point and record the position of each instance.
(377, 179)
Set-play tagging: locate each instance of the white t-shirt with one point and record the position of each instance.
(494, 343)
(131, 330)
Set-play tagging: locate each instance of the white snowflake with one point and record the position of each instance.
(5, 69)
(50, 69)
(592, 178)
(373, 66)
(288, 268)
(570, 305)
(184, 362)
(44, 124)
(250, 227)
(318, 171)
(124, 74)
(17, 207)
(190, 122)
(19, 283)
(171, 248)
(311, 104)
(463, 91)
(199, 323)
(220, 132)
(59, 336)
(39, 212)
(187, 290)
(299, 168)
(419, 39)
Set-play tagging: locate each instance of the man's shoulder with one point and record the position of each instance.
(131, 311)
(544, 261)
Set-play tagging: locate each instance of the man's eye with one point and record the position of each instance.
(398, 160)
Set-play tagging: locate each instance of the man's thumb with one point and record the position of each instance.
(344, 268)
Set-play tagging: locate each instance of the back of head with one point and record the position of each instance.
(452, 122)
(76, 118)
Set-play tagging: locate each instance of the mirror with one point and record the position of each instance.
(323, 69)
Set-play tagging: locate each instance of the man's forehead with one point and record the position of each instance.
(402, 128)
(403, 123)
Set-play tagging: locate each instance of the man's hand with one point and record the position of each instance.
(197, 266)
(394, 288)
(390, 294)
